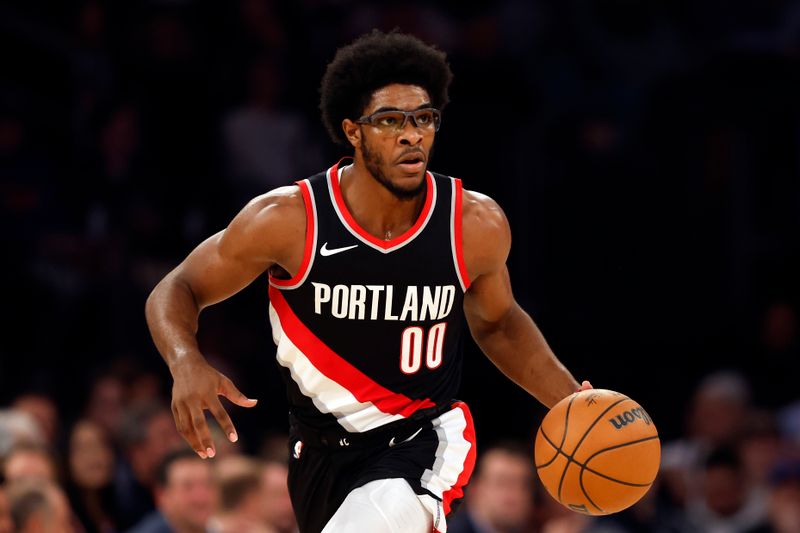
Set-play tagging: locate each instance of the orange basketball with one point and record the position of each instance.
(597, 452)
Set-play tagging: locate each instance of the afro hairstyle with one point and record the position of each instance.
(376, 60)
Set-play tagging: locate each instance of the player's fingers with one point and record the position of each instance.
(229, 390)
(202, 433)
(186, 429)
(224, 420)
(585, 386)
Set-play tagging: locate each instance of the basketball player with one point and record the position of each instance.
(372, 266)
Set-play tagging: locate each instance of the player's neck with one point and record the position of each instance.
(375, 208)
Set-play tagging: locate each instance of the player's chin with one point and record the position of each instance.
(409, 183)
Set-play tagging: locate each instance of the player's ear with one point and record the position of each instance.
(352, 132)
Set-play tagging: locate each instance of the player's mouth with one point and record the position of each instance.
(412, 163)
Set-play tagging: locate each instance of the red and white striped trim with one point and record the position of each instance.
(361, 234)
(456, 235)
(309, 252)
(331, 382)
(454, 463)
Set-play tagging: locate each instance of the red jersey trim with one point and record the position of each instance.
(457, 235)
(310, 244)
(350, 223)
(338, 369)
(456, 491)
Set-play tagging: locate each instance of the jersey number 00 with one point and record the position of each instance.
(411, 347)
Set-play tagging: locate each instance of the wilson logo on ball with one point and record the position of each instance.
(630, 416)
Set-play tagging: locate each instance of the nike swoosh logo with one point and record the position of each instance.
(325, 251)
(392, 443)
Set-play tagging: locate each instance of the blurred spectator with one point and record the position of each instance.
(760, 448)
(276, 504)
(239, 483)
(784, 499)
(267, 145)
(789, 421)
(106, 403)
(6, 524)
(568, 522)
(550, 516)
(719, 409)
(185, 495)
(39, 506)
(91, 470)
(717, 415)
(648, 515)
(16, 427)
(147, 435)
(43, 409)
(500, 495)
(726, 504)
(29, 461)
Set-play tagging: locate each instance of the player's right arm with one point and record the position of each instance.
(269, 231)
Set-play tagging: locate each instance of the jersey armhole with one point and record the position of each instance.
(456, 236)
(310, 244)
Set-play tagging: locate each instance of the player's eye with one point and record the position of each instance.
(390, 120)
(424, 118)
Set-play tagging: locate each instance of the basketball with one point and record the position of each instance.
(597, 452)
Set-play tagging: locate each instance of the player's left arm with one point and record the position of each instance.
(503, 330)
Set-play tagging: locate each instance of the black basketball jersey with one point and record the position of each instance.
(369, 331)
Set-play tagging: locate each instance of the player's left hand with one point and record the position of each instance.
(585, 386)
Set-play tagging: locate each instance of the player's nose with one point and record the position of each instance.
(410, 135)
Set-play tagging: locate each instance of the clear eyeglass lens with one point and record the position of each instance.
(395, 120)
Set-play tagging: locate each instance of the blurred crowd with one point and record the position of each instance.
(646, 153)
(120, 466)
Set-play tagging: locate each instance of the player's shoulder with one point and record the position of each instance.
(283, 203)
(278, 214)
(485, 233)
(482, 216)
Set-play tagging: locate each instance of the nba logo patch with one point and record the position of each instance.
(298, 449)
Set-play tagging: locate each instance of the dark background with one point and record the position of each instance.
(646, 154)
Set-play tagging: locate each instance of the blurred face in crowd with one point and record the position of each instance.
(501, 494)
(759, 453)
(43, 410)
(275, 502)
(6, 526)
(107, 403)
(784, 507)
(53, 516)
(91, 459)
(161, 438)
(716, 419)
(723, 489)
(29, 464)
(189, 497)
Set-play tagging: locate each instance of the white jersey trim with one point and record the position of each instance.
(450, 455)
(327, 395)
(453, 248)
(313, 243)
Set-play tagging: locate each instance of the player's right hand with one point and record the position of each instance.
(196, 387)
